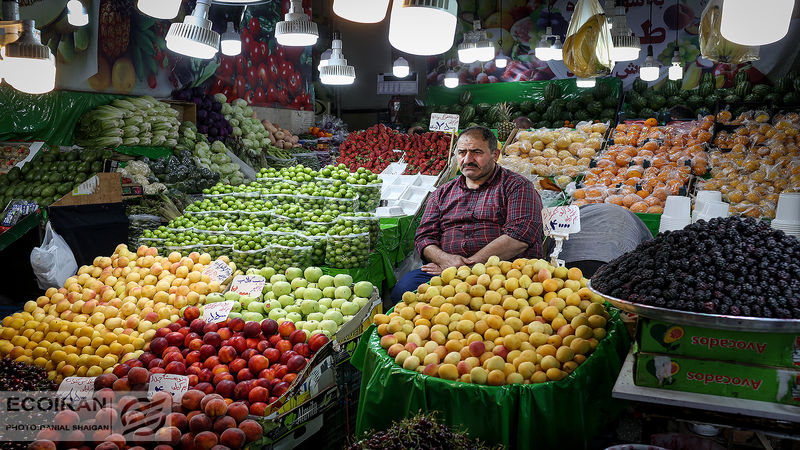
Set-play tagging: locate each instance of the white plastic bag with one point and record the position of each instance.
(587, 48)
(53, 262)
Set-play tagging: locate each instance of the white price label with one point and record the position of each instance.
(87, 187)
(218, 271)
(177, 385)
(250, 285)
(561, 220)
(217, 312)
(75, 389)
(444, 122)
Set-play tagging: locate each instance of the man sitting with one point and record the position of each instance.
(487, 210)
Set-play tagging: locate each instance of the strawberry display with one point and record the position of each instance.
(378, 146)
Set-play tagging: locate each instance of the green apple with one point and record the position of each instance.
(325, 281)
(270, 296)
(267, 272)
(234, 296)
(308, 306)
(329, 291)
(334, 315)
(326, 333)
(215, 298)
(363, 289)
(298, 293)
(325, 301)
(315, 316)
(343, 292)
(313, 285)
(312, 294)
(342, 279)
(269, 305)
(312, 273)
(337, 303)
(251, 316)
(300, 324)
(280, 320)
(360, 301)
(245, 300)
(292, 308)
(234, 315)
(267, 287)
(299, 282)
(322, 308)
(277, 277)
(281, 288)
(182, 310)
(277, 313)
(252, 271)
(349, 308)
(347, 318)
(294, 316)
(310, 325)
(328, 325)
(286, 300)
(236, 307)
(256, 307)
(293, 272)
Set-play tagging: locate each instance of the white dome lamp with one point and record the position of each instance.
(557, 49)
(323, 59)
(400, 69)
(423, 27)
(361, 11)
(231, 43)
(76, 14)
(748, 22)
(336, 72)
(451, 79)
(29, 66)
(160, 9)
(542, 50)
(586, 82)
(649, 71)
(297, 30)
(194, 37)
(626, 44)
(676, 69)
(476, 45)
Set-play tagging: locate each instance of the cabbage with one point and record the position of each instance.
(221, 98)
(200, 146)
(218, 147)
(236, 179)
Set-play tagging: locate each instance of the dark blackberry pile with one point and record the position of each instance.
(732, 266)
(419, 432)
(16, 376)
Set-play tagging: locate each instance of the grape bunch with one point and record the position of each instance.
(421, 432)
(731, 266)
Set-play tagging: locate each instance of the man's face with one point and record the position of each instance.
(475, 158)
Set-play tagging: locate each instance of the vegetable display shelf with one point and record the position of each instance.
(20, 229)
(563, 414)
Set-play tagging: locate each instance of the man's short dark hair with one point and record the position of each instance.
(485, 133)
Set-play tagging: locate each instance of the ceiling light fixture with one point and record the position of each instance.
(401, 68)
(361, 11)
(423, 27)
(297, 30)
(323, 59)
(626, 45)
(675, 70)
(476, 45)
(194, 37)
(451, 79)
(650, 70)
(748, 22)
(29, 66)
(160, 9)
(336, 72)
(76, 14)
(231, 43)
(545, 51)
(502, 60)
(586, 82)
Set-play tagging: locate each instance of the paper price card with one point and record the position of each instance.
(561, 220)
(444, 122)
(75, 389)
(217, 312)
(218, 271)
(250, 285)
(176, 385)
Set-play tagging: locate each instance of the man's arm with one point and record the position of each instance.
(505, 247)
(443, 259)
(429, 233)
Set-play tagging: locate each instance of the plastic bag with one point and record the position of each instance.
(53, 262)
(587, 49)
(715, 47)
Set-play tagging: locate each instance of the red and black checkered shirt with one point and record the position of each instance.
(461, 221)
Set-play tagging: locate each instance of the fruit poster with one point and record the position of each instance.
(516, 26)
(123, 51)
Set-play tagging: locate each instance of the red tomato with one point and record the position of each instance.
(247, 42)
(254, 26)
(262, 74)
(286, 70)
(272, 94)
(225, 69)
(240, 86)
(252, 76)
(259, 98)
(294, 83)
(241, 64)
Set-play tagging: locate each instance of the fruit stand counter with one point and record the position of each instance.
(397, 236)
(563, 414)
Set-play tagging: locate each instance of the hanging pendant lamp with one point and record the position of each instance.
(755, 22)
(361, 11)
(423, 27)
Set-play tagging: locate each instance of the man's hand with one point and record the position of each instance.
(448, 260)
(432, 269)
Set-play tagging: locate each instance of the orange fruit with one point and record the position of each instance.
(639, 207)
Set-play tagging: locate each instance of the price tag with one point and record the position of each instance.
(75, 389)
(218, 271)
(250, 285)
(444, 122)
(87, 187)
(217, 312)
(561, 220)
(177, 385)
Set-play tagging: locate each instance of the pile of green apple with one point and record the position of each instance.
(222, 189)
(299, 214)
(317, 233)
(314, 302)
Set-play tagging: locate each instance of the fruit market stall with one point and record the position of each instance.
(489, 361)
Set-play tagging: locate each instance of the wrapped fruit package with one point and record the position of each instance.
(587, 48)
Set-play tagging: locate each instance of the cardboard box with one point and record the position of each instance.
(186, 110)
(769, 349)
(290, 424)
(726, 379)
(101, 188)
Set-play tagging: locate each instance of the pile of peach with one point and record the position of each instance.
(646, 164)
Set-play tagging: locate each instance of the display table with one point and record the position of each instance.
(563, 414)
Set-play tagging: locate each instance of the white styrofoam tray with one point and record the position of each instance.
(415, 194)
(393, 192)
